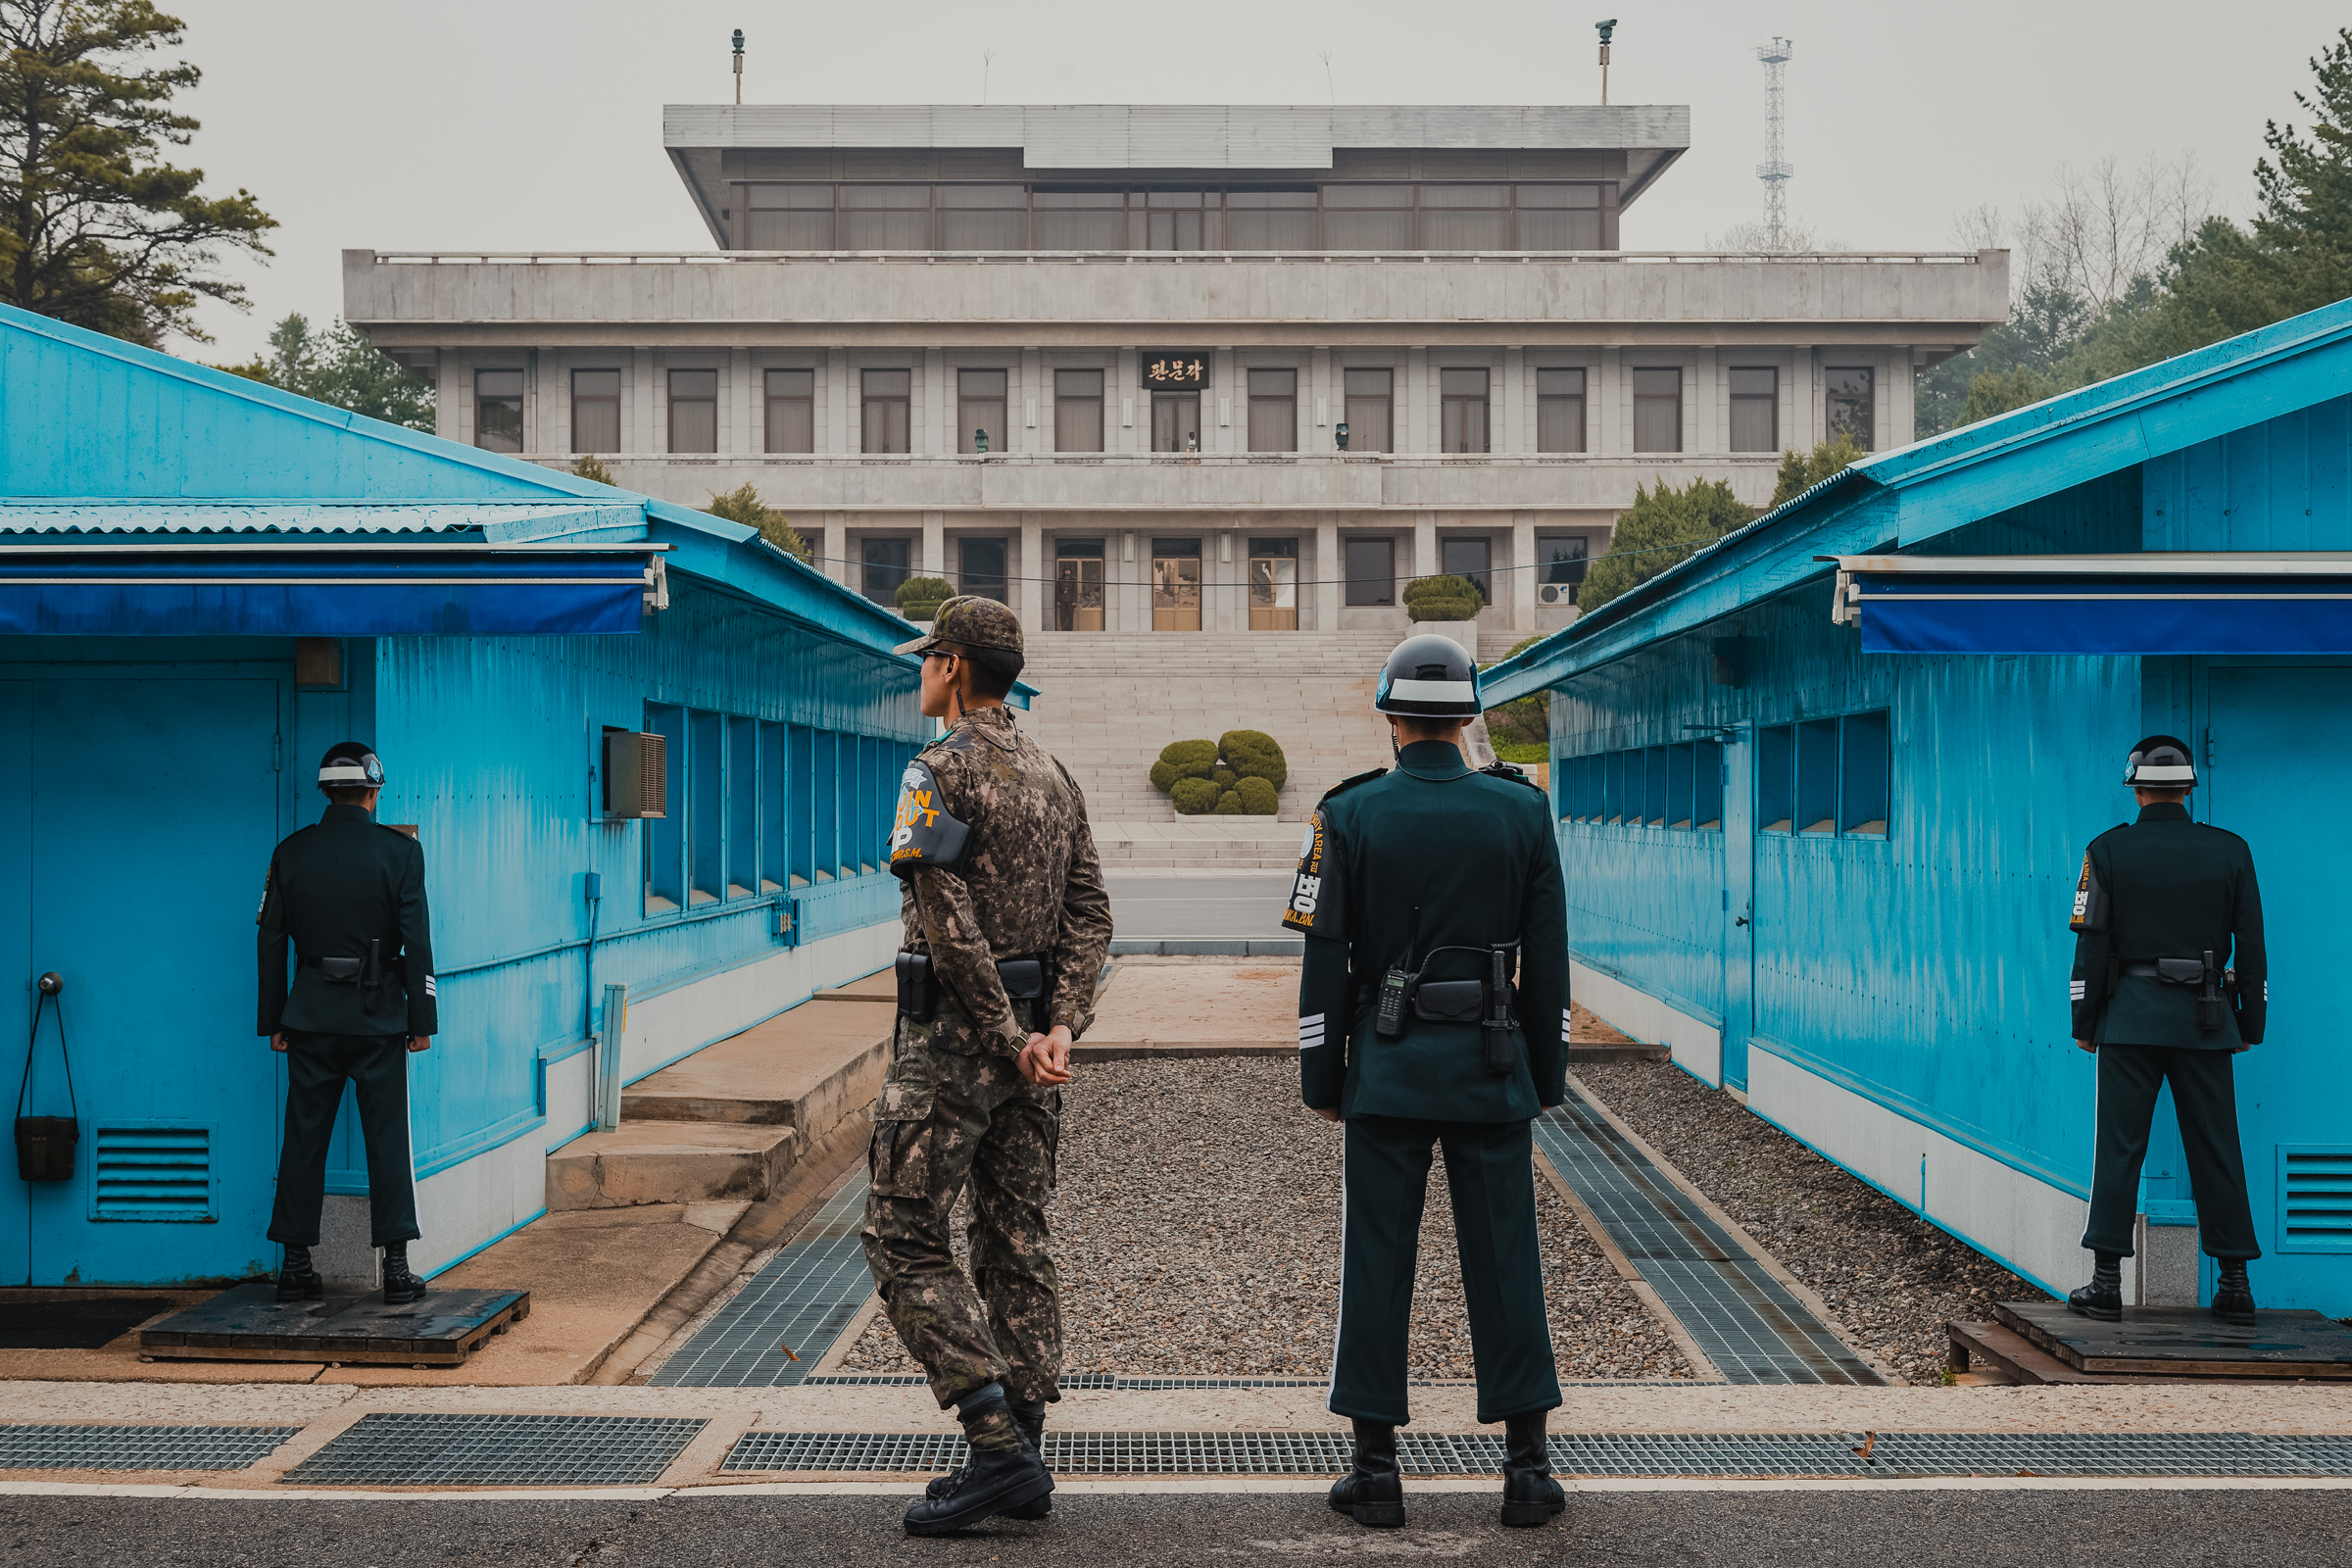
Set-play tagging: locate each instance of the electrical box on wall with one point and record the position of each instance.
(636, 771)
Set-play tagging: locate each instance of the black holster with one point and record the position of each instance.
(1028, 985)
(2209, 997)
(372, 974)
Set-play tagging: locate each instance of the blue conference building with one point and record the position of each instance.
(1824, 788)
(206, 582)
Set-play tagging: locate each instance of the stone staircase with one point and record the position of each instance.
(1109, 700)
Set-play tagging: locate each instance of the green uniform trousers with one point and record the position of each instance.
(2205, 1096)
(1490, 1170)
(317, 1065)
(944, 1118)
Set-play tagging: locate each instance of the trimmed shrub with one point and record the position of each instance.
(1224, 777)
(1183, 759)
(1194, 796)
(1256, 797)
(1229, 804)
(1253, 753)
(1448, 598)
(920, 597)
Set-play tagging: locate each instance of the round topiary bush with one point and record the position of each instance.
(1256, 797)
(1183, 759)
(1229, 804)
(919, 597)
(1253, 753)
(1224, 777)
(1448, 598)
(1194, 796)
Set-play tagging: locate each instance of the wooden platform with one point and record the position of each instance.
(2184, 1341)
(250, 1324)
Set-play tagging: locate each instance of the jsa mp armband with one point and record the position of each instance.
(924, 834)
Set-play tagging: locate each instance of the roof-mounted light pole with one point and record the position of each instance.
(739, 64)
(1606, 28)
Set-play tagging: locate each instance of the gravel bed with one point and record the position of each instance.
(1198, 1234)
(1890, 1279)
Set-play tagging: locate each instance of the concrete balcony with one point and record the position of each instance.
(1162, 483)
(1119, 299)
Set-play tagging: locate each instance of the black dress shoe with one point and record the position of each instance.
(402, 1286)
(2233, 1296)
(1372, 1491)
(1530, 1496)
(308, 1284)
(997, 1481)
(2097, 1300)
(1031, 1419)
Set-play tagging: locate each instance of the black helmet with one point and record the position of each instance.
(2161, 762)
(1428, 676)
(350, 765)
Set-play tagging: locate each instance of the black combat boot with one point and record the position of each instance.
(1530, 1496)
(2103, 1297)
(296, 1278)
(1001, 1477)
(1372, 1491)
(1031, 1419)
(399, 1285)
(2234, 1294)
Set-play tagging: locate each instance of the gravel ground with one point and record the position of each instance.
(1890, 1279)
(1197, 1233)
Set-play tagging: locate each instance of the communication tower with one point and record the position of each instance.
(1775, 171)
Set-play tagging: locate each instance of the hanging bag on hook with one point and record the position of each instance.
(45, 1144)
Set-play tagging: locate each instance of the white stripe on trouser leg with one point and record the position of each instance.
(408, 1106)
(1339, 1319)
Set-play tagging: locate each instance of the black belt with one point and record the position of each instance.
(309, 962)
(2186, 971)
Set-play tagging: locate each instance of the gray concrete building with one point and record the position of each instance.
(1098, 360)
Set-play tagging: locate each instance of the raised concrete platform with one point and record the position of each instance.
(1196, 1006)
(669, 1163)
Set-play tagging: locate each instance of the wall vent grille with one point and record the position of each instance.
(149, 1172)
(2315, 1198)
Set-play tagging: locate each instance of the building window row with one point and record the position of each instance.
(1673, 787)
(1080, 424)
(757, 806)
(1826, 776)
(1350, 217)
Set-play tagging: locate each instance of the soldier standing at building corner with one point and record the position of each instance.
(349, 894)
(1433, 1011)
(1006, 926)
(2170, 982)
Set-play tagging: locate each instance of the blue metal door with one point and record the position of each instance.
(1738, 905)
(16, 950)
(152, 801)
(2275, 764)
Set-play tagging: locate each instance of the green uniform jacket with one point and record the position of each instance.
(333, 887)
(2166, 887)
(1431, 855)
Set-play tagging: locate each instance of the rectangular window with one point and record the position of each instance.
(885, 218)
(694, 410)
(1863, 754)
(801, 801)
(775, 808)
(1755, 409)
(1270, 220)
(866, 815)
(1618, 786)
(1077, 411)
(1462, 396)
(980, 412)
(497, 410)
(1706, 802)
(1776, 778)
(1677, 786)
(665, 836)
(1560, 410)
(1081, 220)
(1176, 220)
(1559, 564)
(983, 218)
(886, 566)
(884, 397)
(1368, 405)
(1658, 410)
(1581, 800)
(1654, 785)
(1371, 571)
(788, 218)
(1849, 404)
(981, 567)
(1273, 410)
(1469, 557)
(825, 785)
(1368, 218)
(743, 808)
(1465, 218)
(1078, 584)
(1559, 217)
(596, 410)
(1175, 421)
(705, 811)
(792, 411)
(1175, 585)
(1817, 776)
(1273, 585)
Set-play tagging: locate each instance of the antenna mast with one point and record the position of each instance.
(1776, 171)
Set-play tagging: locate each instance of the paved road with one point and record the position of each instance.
(1735, 1530)
(1197, 903)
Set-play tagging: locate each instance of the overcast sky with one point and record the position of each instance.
(497, 125)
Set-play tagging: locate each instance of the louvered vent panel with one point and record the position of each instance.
(152, 1173)
(2315, 1198)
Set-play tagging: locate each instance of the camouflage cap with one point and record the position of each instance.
(972, 620)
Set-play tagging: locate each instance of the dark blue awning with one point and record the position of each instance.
(2152, 603)
(338, 590)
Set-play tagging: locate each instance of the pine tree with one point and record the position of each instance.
(1662, 526)
(341, 367)
(743, 505)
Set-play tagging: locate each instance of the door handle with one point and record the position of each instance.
(1742, 920)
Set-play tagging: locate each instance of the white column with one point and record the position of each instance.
(1523, 577)
(1902, 415)
(833, 556)
(743, 433)
(647, 404)
(1330, 566)
(841, 402)
(935, 545)
(1515, 432)
(1425, 547)
(1029, 592)
(1225, 423)
(1029, 410)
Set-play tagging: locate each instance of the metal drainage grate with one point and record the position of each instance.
(1436, 1453)
(500, 1450)
(99, 1448)
(805, 1298)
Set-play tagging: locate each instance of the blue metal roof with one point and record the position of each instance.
(1914, 493)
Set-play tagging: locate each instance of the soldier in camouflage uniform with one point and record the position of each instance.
(1006, 925)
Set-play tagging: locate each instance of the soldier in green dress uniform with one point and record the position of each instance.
(1433, 1015)
(348, 893)
(2170, 983)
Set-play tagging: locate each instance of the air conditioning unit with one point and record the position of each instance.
(1555, 593)
(636, 774)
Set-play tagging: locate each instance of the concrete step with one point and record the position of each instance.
(804, 1069)
(670, 1162)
